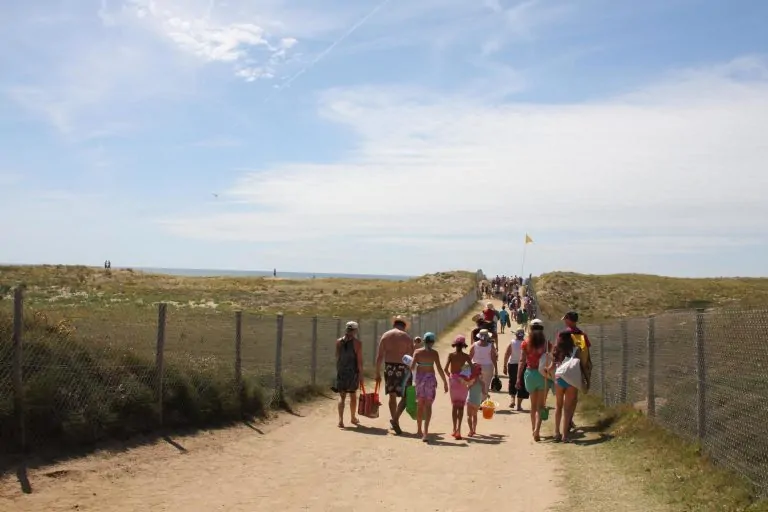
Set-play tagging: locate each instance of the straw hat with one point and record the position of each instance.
(401, 318)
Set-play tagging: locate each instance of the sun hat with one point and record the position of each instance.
(537, 321)
(477, 317)
(429, 337)
(400, 319)
(483, 333)
(352, 326)
(460, 340)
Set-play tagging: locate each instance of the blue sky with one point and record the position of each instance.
(386, 137)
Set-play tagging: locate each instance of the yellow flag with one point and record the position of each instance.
(528, 239)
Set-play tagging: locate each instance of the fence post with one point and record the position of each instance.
(375, 341)
(420, 317)
(239, 355)
(651, 378)
(624, 363)
(314, 351)
(18, 371)
(701, 376)
(413, 323)
(160, 358)
(338, 328)
(279, 360)
(601, 363)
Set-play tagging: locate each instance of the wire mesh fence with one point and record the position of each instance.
(700, 374)
(115, 373)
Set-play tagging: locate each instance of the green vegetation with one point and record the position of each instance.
(673, 473)
(601, 297)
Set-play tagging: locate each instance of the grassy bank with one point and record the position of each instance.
(601, 297)
(667, 472)
(90, 338)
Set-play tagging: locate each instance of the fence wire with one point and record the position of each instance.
(699, 374)
(118, 371)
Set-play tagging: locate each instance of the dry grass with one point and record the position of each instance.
(601, 297)
(63, 286)
(665, 472)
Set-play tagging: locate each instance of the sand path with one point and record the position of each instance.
(306, 463)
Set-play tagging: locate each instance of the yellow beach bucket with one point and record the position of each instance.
(489, 408)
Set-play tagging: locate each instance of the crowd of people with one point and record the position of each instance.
(534, 365)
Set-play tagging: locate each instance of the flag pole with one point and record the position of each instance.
(522, 265)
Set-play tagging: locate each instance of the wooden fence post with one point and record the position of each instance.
(624, 363)
(279, 360)
(601, 363)
(375, 341)
(314, 351)
(160, 359)
(18, 366)
(239, 356)
(701, 376)
(651, 377)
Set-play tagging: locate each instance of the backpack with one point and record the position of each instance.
(586, 359)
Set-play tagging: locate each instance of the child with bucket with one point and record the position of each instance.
(477, 391)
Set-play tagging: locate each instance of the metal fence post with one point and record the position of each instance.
(338, 328)
(18, 371)
(701, 376)
(624, 363)
(279, 360)
(314, 351)
(651, 377)
(375, 341)
(160, 358)
(601, 363)
(239, 355)
(420, 316)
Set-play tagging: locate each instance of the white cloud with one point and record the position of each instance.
(681, 158)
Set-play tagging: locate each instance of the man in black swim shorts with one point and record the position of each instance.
(394, 344)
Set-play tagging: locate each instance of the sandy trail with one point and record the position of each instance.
(307, 463)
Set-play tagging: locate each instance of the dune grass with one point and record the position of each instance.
(674, 472)
(74, 288)
(601, 297)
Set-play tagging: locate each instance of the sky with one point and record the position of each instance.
(386, 137)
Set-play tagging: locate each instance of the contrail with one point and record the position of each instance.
(320, 56)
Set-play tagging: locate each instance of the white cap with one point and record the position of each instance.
(352, 325)
(536, 321)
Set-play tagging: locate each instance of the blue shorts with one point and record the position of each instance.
(562, 383)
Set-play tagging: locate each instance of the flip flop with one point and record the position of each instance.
(396, 427)
(341, 425)
(355, 421)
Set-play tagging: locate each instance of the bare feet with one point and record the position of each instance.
(536, 437)
(355, 421)
(341, 424)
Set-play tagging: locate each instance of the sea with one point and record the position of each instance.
(206, 272)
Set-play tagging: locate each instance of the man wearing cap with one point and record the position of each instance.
(393, 346)
(349, 369)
